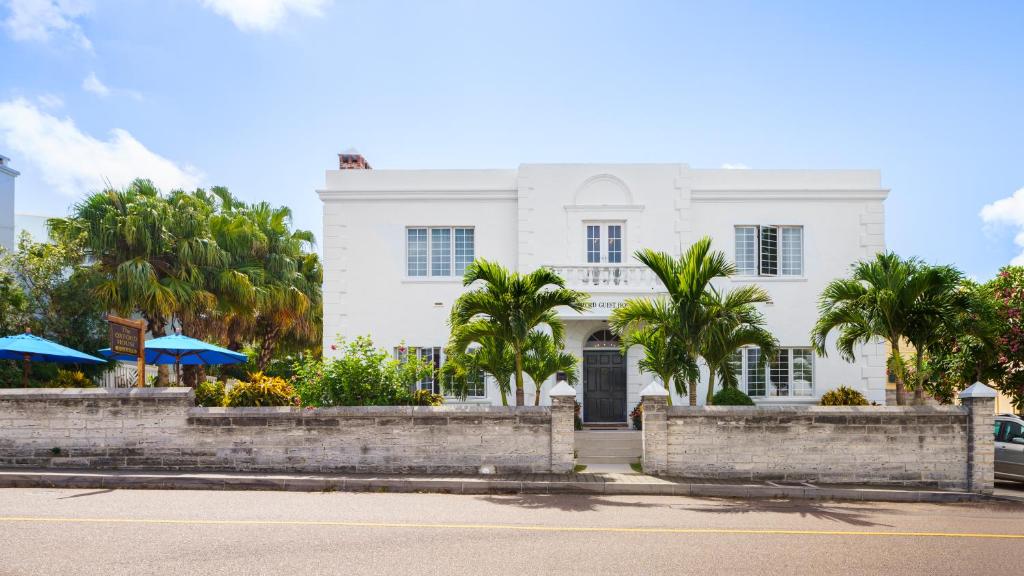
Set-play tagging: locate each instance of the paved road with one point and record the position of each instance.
(212, 533)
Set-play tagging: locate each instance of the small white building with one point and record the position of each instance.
(7, 176)
(396, 243)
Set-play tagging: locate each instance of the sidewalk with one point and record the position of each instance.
(593, 483)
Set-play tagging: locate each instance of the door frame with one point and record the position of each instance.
(625, 399)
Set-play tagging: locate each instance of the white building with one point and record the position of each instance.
(7, 176)
(396, 242)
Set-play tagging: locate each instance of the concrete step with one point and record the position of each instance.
(607, 460)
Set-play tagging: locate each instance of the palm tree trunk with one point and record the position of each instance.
(667, 382)
(520, 394)
(918, 378)
(691, 389)
(536, 394)
(711, 385)
(898, 365)
(504, 397)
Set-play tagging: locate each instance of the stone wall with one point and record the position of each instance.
(159, 428)
(934, 446)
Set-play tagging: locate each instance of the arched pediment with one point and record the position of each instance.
(603, 190)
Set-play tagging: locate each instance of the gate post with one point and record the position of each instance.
(563, 429)
(980, 401)
(654, 431)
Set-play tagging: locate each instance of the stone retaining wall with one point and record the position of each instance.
(159, 428)
(934, 446)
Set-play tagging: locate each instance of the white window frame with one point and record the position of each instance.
(759, 263)
(769, 389)
(603, 240)
(437, 353)
(453, 268)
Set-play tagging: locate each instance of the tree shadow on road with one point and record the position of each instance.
(93, 493)
(850, 514)
(565, 502)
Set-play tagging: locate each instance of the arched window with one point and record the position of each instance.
(602, 339)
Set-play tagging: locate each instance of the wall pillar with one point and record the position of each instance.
(655, 428)
(980, 401)
(563, 430)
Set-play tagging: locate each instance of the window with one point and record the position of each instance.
(434, 356)
(789, 374)
(769, 250)
(476, 385)
(604, 243)
(1012, 430)
(442, 252)
(998, 424)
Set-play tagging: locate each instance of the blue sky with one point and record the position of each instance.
(260, 95)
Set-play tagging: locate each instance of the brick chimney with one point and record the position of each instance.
(352, 160)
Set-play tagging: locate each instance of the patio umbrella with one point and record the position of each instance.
(29, 348)
(179, 350)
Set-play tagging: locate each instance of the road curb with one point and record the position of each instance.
(463, 485)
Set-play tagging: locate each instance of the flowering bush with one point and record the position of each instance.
(361, 376)
(637, 416)
(1008, 289)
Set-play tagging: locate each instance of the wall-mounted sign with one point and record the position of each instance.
(129, 337)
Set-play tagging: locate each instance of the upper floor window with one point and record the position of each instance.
(443, 252)
(604, 243)
(770, 250)
(789, 373)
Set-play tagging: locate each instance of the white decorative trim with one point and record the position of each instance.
(727, 195)
(476, 194)
(615, 180)
(604, 207)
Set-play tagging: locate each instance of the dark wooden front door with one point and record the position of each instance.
(604, 386)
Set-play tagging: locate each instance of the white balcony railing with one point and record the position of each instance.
(610, 277)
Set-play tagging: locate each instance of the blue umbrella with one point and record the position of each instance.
(29, 348)
(178, 350)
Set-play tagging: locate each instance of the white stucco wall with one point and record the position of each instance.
(7, 176)
(536, 215)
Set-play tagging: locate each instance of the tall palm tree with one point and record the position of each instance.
(688, 315)
(492, 357)
(544, 358)
(745, 326)
(507, 306)
(878, 300)
(940, 304)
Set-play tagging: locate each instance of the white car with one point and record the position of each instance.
(1009, 432)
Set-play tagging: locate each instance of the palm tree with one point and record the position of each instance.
(543, 359)
(492, 357)
(507, 306)
(939, 306)
(878, 300)
(742, 327)
(661, 355)
(687, 317)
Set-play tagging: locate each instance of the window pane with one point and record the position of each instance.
(593, 243)
(779, 374)
(431, 356)
(769, 251)
(476, 385)
(755, 373)
(416, 251)
(791, 247)
(803, 372)
(440, 251)
(746, 250)
(464, 249)
(615, 243)
(736, 363)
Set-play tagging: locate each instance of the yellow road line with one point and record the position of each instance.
(512, 527)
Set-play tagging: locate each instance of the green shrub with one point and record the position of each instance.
(426, 398)
(71, 379)
(261, 390)
(361, 376)
(210, 394)
(731, 397)
(843, 396)
(637, 416)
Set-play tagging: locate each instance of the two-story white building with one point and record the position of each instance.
(396, 243)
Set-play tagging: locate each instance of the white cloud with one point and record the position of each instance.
(50, 101)
(1008, 211)
(263, 15)
(74, 163)
(40, 20)
(93, 84)
(736, 166)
